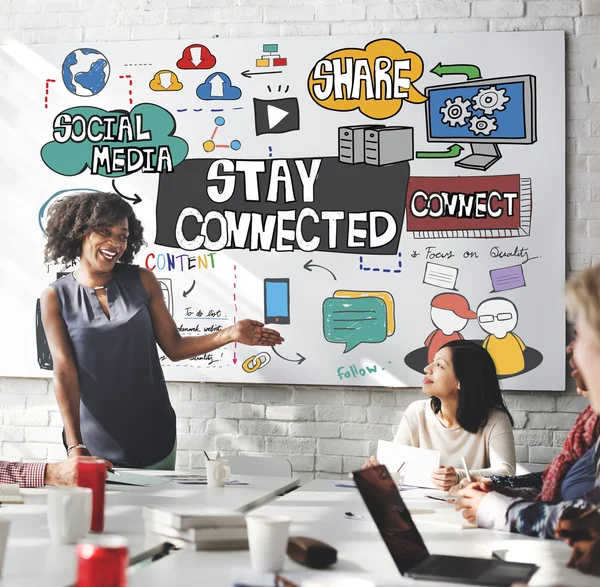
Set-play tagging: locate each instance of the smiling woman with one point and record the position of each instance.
(103, 322)
(465, 417)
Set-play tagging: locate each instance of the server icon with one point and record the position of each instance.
(351, 143)
(388, 144)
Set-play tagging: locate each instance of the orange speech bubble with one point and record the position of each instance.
(375, 80)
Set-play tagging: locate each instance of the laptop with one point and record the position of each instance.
(408, 549)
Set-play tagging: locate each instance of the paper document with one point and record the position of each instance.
(418, 462)
(123, 478)
(445, 517)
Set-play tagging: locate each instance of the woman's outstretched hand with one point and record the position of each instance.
(254, 333)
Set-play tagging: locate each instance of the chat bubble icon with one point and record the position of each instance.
(384, 296)
(507, 278)
(440, 275)
(354, 320)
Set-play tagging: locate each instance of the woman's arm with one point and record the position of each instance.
(177, 347)
(501, 450)
(408, 423)
(64, 378)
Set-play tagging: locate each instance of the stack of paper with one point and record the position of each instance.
(198, 528)
(9, 493)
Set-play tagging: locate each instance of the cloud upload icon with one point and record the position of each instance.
(196, 57)
(218, 87)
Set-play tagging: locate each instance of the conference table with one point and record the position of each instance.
(32, 560)
(318, 511)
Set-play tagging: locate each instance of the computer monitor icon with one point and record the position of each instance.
(484, 113)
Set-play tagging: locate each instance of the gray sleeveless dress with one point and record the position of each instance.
(126, 416)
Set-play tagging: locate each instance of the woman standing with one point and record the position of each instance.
(103, 322)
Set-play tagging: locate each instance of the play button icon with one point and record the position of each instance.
(276, 116)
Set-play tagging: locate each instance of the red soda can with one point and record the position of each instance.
(102, 561)
(92, 474)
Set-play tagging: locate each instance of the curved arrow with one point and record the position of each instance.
(451, 151)
(136, 199)
(185, 293)
(309, 264)
(249, 73)
(471, 71)
(301, 360)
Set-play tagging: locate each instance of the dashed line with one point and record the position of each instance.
(376, 269)
(47, 90)
(135, 64)
(200, 109)
(217, 109)
(270, 151)
(235, 308)
(182, 110)
(128, 77)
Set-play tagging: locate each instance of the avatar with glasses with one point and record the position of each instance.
(498, 317)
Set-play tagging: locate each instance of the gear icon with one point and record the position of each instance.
(456, 112)
(490, 99)
(482, 125)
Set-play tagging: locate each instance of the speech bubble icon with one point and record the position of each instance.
(354, 320)
(507, 278)
(440, 275)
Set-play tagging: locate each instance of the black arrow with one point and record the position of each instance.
(249, 73)
(308, 266)
(136, 199)
(301, 360)
(185, 293)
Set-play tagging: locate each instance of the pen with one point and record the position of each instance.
(464, 461)
(206, 455)
(594, 509)
(112, 471)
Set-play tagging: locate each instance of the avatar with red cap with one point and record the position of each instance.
(450, 313)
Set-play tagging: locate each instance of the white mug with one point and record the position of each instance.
(69, 513)
(267, 541)
(217, 472)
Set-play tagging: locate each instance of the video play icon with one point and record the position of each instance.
(276, 116)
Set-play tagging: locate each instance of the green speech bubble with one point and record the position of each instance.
(75, 156)
(354, 321)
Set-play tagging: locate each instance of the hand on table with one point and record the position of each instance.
(371, 462)
(465, 483)
(254, 333)
(444, 477)
(471, 497)
(64, 474)
(586, 557)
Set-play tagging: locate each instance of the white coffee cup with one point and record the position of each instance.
(267, 540)
(217, 472)
(69, 513)
(4, 528)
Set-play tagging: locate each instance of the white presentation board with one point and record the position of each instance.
(372, 198)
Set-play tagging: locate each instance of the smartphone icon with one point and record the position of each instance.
(277, 301)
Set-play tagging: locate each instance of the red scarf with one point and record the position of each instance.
(581, 438)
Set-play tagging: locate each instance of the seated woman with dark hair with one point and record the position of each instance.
(465, 417)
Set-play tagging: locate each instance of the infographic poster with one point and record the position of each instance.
(371, 198)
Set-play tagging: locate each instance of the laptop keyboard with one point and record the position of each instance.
(454, 567)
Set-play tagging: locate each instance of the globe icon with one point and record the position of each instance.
(85, 72)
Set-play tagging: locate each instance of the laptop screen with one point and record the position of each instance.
(382, 498)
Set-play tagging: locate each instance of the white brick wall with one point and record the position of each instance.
(323, 431)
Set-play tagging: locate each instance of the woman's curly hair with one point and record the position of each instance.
(71, 218)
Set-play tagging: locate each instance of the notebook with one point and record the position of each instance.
(188, 516)
(10, 493)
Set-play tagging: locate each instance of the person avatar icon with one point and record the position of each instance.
(450, 313)
(498, 317)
